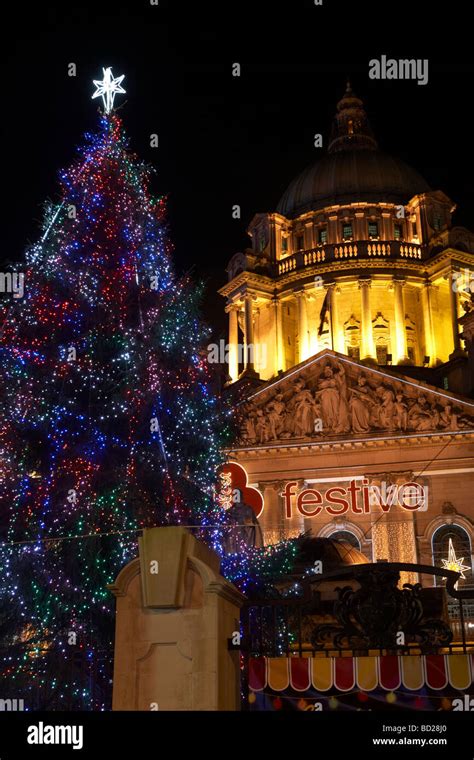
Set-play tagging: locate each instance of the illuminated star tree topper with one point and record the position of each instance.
(107, 88)
(453, 563)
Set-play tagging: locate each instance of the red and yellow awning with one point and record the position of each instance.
(389, 672)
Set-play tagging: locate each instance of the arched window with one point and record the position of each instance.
(347, 536)
(453, 540)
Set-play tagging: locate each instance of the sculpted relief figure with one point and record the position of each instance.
(360, 404)
(325, 406)
(383, 413)
(276, 416)
(332, 397)
(400, 412)
(304, 407)
(420, 415)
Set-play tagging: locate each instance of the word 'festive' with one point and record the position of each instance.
(360, 499)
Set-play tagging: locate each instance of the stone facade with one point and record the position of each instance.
(357, 294)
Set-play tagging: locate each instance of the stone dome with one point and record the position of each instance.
(354, 169)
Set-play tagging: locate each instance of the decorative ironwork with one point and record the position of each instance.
(376, 614)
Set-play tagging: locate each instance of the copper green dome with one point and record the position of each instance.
(354, 169)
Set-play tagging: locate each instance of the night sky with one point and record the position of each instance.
(226, 140)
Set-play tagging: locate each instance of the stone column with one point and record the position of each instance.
(400, 331)
(249, 339)
(337, 337)
(333, 232)
(272, 519)
(386, 226)
(453, 301)
(309, 235)
(359, 226)
(302, 324)
(233, 342)
(393, 532)
(367, 338)
(430, 340)
(279, 353)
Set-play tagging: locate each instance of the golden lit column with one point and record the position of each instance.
(400, 331)
(360, 233)
(279, 355)
(426, 305)
(367, 337)
(337, 337)
(453, 300)
(233, 342)
(333, 234)
(302, 324)
(386, 225)
(249, 340)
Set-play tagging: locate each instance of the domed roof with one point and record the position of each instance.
(354, 169)
(334, 553)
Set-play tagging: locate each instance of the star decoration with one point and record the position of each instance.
(108, 88)
(453, 563)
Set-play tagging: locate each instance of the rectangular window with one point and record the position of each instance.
(437, 223)
(323, 235)
(353, 352)
(397, 231)
(373, 230)
(299, 242)
(284, 245)
(411, 353)
(347, 231)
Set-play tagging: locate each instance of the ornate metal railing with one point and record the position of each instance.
(360, 249)
(366, 619)
(369, 614)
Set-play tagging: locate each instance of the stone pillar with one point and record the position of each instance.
(294, 525)
(337, 337)
(302, 324)
(233, 343)
(386, 233)
(400, 331)
(272, 519)
(279, 352)
(426, 306)
(393, 532)
(333, 232)
(453, 301)
(174, 617)
(367, 338)
(359, 226)
(249, 339)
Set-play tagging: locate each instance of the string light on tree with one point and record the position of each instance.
(78, 455)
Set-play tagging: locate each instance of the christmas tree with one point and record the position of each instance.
(109, 420)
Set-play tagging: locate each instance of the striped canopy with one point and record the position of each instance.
(365, 673)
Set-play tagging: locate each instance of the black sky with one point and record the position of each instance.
(224, 140)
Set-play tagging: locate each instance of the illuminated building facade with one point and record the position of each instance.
(354, 305)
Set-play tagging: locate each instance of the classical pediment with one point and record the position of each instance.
(333, 397)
